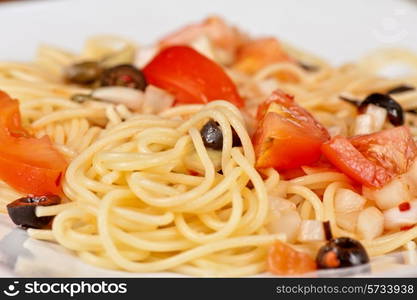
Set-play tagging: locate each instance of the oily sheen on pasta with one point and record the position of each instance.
(142, 193)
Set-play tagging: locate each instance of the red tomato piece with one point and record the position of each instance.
(224, 36)
(373, 159)
(257, 54)
(287, 136)
(393, 149)
(191, 77)
(344, 156)
(28, 164)
(284, 260)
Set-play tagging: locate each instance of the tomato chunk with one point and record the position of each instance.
(393, 149)
(344, 156)
(191, 77)
(284, 260)
(373, 159)
(287, 136)
(224, 36)
(28, 164)
(256, 54)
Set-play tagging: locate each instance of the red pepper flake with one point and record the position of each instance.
(404, 206)
(405, 228)
(193, 173)
(126, 78)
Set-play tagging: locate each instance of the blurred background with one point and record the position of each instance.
(336, 30)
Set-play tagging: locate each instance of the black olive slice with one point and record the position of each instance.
(327, 231)
(236, 139)
(22, 210)
(81, 98)
(354, 102)
(124, 75)
(212, 136)
(308, 67)
(401, 89)
(394, 109)
(83, 73)
(340, 253)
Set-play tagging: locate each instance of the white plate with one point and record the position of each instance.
(336, 30)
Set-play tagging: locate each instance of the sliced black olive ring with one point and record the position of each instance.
(23, 210)
(340, 253)
(394, 110)
(401, 89)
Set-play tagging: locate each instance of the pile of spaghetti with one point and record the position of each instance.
(210, 153)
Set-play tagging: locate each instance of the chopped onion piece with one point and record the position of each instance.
(411, 178)
(279, 204)
(156, 100)
(395, 218)
(132, 98)
(144, 55)
(286, 222)
(390, 195)
(347, 201)
(370, 223)
(311, 231)
(268, 85)
(347, 221)
(334, 130)
(363, 124)
(378, 115)
(410, 256)
(203, 45)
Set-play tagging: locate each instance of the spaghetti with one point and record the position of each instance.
(142, 193)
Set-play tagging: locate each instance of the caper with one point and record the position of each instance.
(83, 73)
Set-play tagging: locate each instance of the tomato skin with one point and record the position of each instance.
(373, 159)
(257, 54)
(10, 123)
(344, 156)
(394, 149)
(191, 77)
(215, 28)
(284, 260)
(30, 165)
(279, 145)
(287, 136)
(276, 96)
(29, 179)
